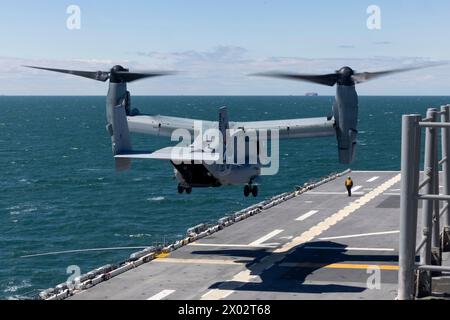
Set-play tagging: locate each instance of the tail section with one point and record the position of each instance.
(224, 123)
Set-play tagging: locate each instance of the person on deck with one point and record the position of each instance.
(349, 185)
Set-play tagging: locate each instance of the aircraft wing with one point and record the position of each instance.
(288, 129)
(174, 154)
(292, 128)
(163, 125)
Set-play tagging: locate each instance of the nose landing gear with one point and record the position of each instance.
(250, 189)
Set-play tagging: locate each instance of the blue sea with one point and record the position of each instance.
(59, 190)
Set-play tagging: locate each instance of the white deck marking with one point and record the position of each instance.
(356, 188)
(373, 179)
(307, 215)
(163, 294)
(361, 235)
(349, 249)
(200, 244)
(265, 238)
(376, 171)
(268, 261)
(201, 261)
(269, 245)
(217, 294)
(338, 216)
(391, 194)
(334, 193)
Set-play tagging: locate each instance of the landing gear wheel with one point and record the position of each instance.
(247, 191)
(180, 189)
(189, 190)
(255, 191)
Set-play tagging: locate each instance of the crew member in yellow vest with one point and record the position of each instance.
(349, 186)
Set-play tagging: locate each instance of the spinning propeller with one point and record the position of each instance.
(117, 74)
(345, 76)
(345, 106)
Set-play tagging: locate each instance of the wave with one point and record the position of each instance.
(139, 235)
(25, 181)
(11, 287)
(17, 210)
(156, 199)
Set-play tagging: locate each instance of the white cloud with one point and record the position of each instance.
(222, 70)
(219, 54)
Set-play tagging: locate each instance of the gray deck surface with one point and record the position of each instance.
(275, 255)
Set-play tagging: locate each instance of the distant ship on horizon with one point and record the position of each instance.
(311, 94)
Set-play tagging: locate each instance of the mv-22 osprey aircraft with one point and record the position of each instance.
(193, 166)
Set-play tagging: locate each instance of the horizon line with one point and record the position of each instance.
(219, 95)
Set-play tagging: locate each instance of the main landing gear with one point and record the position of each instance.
(250, 189)
(182, 189)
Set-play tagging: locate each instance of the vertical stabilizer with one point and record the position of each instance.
(224, 123)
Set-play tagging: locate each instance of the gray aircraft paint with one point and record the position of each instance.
(224, 123)
(159, 125)
(345, 111)
(117, 125)
(121, 120)
(345, 107)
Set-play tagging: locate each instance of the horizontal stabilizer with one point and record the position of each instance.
(174, 154)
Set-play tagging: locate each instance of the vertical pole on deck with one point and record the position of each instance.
(436, 229)
(446, 165)
(436, 242)
(428, 205)
(411, 141)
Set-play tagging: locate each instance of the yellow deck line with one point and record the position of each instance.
(341, 266)
(162, 255)
(326, 224)
(309, 235)
(286, 264)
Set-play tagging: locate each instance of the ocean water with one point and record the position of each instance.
(59, 190)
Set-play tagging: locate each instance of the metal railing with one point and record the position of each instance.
(415, 279)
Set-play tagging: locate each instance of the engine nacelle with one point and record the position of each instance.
(345, 111)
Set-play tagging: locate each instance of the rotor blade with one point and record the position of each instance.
(326, 79)
(94, 75)
(367, 76)
(134, 76)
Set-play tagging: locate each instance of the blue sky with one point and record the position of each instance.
(216, 43)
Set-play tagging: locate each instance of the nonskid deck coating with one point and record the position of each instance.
(319, 245)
